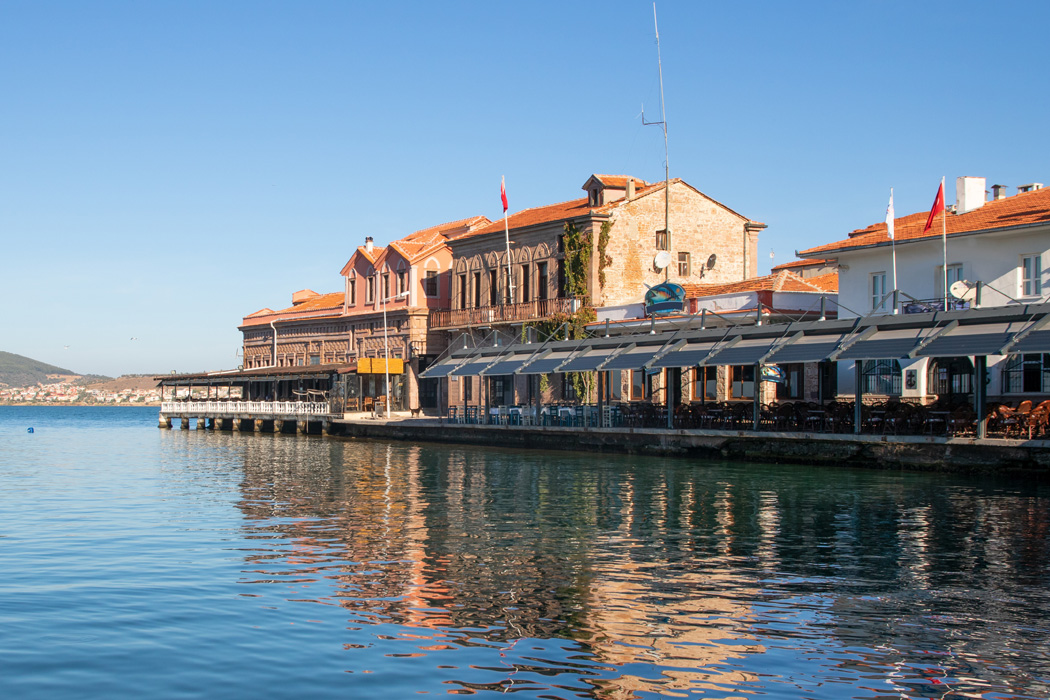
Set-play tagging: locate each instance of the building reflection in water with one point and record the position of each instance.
(663, 576)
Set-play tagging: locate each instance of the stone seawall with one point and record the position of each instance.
(872, 451)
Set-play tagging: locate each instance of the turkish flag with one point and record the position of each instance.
(503, 194)
(938, 208)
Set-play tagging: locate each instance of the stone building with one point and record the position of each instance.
(603, 249)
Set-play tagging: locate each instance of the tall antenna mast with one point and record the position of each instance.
(663, 123)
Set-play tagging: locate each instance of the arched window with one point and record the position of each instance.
(950, 377)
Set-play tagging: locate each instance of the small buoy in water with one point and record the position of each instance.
(29, 430)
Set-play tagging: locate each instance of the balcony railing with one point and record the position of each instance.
(508, 313)
(255, 408)
(925, 306)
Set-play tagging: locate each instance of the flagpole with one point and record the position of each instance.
(944, 243)
(506, 236)
(893, 247)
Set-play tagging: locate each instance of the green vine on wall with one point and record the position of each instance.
(604, 259)
(554, 328)
(577, 260)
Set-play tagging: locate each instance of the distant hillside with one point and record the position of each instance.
(16, 370)
(135, 382)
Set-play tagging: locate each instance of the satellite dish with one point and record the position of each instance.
(711, 261)
(662, 260)
(961, 289)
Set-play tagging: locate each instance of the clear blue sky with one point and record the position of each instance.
(169, 167)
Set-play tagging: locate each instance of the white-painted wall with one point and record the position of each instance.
(993, 258)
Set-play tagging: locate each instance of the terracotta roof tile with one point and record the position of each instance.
(620, 181)
(537, 215)
(322, 305)
(425, 240)
(581, 207)
(798, 263)
(828, 282)
(784, 281)
(1019, 210)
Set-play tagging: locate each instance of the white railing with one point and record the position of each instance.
(278, 408)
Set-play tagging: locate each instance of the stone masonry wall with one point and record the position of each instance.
(699, 226)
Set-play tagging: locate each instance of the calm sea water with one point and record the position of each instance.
(165, 564)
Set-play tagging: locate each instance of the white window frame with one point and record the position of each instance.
(685, 264)
(1031, 275)
(955, 274)
(878, 300)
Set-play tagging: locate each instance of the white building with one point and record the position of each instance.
(999, 248)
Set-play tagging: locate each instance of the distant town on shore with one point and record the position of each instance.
(25, 381)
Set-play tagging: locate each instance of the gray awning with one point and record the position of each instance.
(441, 369)
(983, 339)
(1037, 341)
(889, 344)
(546, 364)
(633, 358)
(590, 360)
(471, 368)
(688, 355)
(509, 365)
(808, 348)
(748, 351)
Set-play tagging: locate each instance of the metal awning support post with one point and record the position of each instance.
(600, 376)
(667, 398)
(980, 398)
(858, 396)
(484, 387)
(539, 396)
(756, 409)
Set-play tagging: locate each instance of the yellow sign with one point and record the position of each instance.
(378, 365)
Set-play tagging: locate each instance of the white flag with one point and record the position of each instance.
(889, 216)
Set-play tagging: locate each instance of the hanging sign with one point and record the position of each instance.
(664, 298)
(772, 373)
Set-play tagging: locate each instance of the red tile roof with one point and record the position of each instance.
(828, 282)
(784, 281)
(798, 263)
(537, 215)
(620, 181)
(1020, 210)
(417, 244)
(321, 305)
(574, 208)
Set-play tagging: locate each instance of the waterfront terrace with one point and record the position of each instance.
(870, 345)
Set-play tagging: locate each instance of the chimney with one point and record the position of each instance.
(998, 192)
(630, 189)
(368, 244)
(1031, 187)
(969, 194)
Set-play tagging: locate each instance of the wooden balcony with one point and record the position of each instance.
(446, 319)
